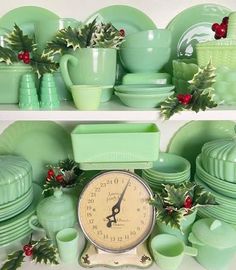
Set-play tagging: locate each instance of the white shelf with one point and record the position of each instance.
(111, 111)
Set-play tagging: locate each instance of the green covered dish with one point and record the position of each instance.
(219, 159)
(15, 177)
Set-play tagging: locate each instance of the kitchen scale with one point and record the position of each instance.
(116, 217)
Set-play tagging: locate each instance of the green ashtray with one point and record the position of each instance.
(118, 143)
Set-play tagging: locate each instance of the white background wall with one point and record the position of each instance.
(160, 11)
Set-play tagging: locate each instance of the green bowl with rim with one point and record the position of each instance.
(142, 101)
(144, 89)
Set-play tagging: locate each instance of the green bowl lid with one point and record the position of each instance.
(215, 233)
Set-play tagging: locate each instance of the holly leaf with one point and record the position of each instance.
(56, 46)
(171, 217)
(17, 41)
(44, 252)
(203, 79)
(85, 33)
(176, 195)
(14, 260)
(201, 100)
(7, 55)
(201, 197)
(67, 37)
(106, 36)
(43, 63)
(170, 106)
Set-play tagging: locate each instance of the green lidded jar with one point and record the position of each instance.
(55, 213)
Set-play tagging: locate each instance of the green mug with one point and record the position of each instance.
(168, 251)
(67, 244)
(89, 66)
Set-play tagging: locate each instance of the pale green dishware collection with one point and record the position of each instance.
(154, 69)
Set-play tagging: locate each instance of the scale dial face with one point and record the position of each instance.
(114, 211)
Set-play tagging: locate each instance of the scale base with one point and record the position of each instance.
(139, 257)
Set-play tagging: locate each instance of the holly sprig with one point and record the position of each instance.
(200, 96)
(22, 48)
(174, 202)
(41, 251)
(91, 35)
(64, 174)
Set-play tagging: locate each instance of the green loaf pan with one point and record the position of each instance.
(115, 142)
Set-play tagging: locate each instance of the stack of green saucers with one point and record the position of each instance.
(224, 192)
(168, 169)
(17, 227)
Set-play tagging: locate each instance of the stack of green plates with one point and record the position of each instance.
(225, 188)
(168, 169)
(17, 227)
(15, 207)
(225, 211)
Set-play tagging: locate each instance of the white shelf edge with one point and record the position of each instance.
(111, 111)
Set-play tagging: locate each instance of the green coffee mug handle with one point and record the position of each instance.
(32, 226)
(191, 251)
(65, 59)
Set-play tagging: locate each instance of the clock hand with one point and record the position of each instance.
(116, 208)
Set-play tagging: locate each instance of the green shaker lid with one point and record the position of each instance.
(214, 233)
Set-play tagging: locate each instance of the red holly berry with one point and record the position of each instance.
(221, 31)
(214, 26)
(217, 37)
(20, 55)
(225, 20)
(50, 173)
(59, 178)
(188, 202)
(28, 250)
(122, 32)
(26, 61)
(184, 98)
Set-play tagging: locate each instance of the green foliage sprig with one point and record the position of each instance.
(17, 44)
(174, 202)
(91, 35)
(200, 95)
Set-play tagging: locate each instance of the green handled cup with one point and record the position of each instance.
(89, 66)
(168, 251)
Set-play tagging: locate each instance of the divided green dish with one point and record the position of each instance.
(115, 143)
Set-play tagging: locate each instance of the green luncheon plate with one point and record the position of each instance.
(24, 216)
(124, 17)
(189, 139)
(191, 26)
(40, 142)
(26, 17)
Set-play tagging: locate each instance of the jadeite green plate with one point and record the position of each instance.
(130, 19)
(24, 216)
(189, 139)
(40, 142)
(191, 26)
(25, 17)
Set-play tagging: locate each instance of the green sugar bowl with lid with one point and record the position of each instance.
(54, 213)
(215, 241)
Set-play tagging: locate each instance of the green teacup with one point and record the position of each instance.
(68, 246)
(168, 251)
(86, 97)
(89, 66)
